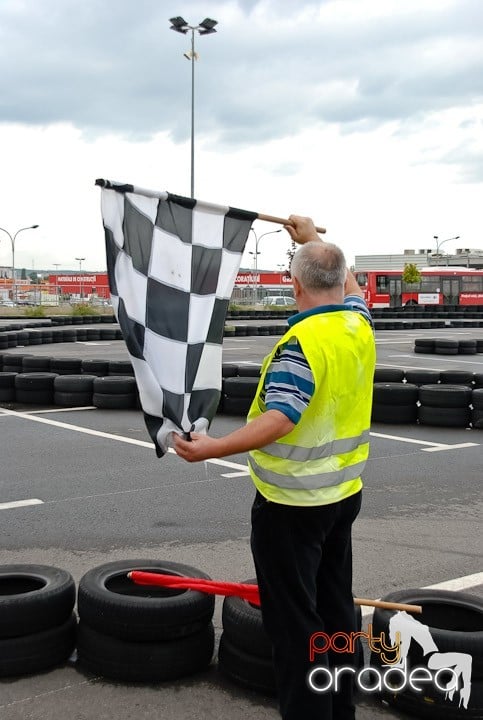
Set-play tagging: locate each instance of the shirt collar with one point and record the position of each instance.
(294, 319)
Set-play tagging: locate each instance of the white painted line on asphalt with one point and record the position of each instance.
(457, 585)
(56, 410)
(432, 446)
(235, 474)
(409, 440)
(393, 342)
(440, 359)
(462, 583)
(108, 436)
(223, 463)
(407, 367)
(451, 447)
(20, 503)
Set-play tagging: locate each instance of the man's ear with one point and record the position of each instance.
(296, 286)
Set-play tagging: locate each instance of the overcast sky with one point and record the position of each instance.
(365, 114)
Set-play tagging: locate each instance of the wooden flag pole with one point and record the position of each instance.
(388, 605)
(281, 221)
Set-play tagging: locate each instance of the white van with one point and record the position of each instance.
(278, 300)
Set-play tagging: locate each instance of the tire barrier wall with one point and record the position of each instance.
(447, 398)
(451, 622)
(125, 631)
(135, 633)
(70, 329)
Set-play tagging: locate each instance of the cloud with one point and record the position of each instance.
(272, 69)
(366, 114)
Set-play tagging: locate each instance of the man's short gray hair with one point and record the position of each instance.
(319, 266)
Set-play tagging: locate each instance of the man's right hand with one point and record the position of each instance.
(301, 229)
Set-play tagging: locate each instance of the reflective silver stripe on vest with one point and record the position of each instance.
(307, 482)
(303, 454)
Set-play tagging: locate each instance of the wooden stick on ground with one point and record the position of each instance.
(281, 221)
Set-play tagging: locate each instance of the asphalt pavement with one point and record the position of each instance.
(103, 495)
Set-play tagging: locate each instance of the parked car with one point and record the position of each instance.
(278, 300)
(7, 303)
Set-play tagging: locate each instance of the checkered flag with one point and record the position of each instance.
(172, 263)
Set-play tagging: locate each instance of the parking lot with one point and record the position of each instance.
(81, 487)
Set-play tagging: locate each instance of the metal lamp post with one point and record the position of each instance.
(206, 27)
(12, 241)
(255, 262)
(39, 281)
(80, 259)
(438, 243)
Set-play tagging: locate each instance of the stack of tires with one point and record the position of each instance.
(95, 367)
(448, 633)
(245, 650)
(114, 392)
(395, 402)
(143, 633)
(35, 388)
(424, 346)
(467, 347)
(477, 408)
(73, 390)
(66, 366)
(422, 376)
(238, 391)
(445, 405)
(446, 346)
(37, 624)
(120, 367)
(7, 386)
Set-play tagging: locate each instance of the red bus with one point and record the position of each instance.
(438, 286)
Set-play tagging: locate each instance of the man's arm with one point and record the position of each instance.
(261, 431)
(302, 230)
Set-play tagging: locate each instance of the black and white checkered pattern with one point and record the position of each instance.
(172, 263)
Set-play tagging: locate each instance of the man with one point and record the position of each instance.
(307, 436)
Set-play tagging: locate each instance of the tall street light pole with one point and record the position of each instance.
(255, 263)
(79, 259)
(206, 27)
(12, 241)
(439, 243)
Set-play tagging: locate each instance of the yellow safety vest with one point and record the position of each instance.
(320, 461)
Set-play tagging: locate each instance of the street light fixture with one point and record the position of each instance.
(255, 261)
(80, 259)
(438, 244)
(206, 27)
(12, 241)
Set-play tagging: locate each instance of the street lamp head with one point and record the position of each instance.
(33, 227)
(179, 25)
(208, 26)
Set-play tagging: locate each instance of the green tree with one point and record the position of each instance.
(411, 275)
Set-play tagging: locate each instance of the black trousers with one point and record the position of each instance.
(303, 561)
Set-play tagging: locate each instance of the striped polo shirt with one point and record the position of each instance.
(289, 383)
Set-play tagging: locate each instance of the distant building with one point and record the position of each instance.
(466, 257)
